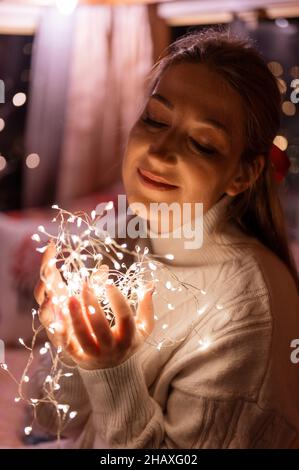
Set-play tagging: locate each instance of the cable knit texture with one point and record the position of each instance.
(222, 378)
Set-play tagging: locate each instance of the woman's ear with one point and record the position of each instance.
(246, 176)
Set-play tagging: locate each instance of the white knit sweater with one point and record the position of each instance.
(222, 377)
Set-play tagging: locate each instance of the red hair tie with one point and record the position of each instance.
(280, 163)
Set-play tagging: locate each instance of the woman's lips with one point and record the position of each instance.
(154, 181)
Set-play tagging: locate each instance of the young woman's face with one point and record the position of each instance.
(190, 136)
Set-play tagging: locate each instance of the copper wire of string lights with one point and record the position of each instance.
(79, 259)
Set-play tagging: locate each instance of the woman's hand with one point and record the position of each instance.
(102, 346)
(85, 334)
(48, 312)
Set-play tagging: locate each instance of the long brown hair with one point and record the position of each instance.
(256, 210)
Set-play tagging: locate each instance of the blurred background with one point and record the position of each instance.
(72, 79)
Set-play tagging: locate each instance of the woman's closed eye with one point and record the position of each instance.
(201, 148)
(198, 147)
(151, 122)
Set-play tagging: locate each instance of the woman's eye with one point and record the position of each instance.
(202, 149)
(152, 122)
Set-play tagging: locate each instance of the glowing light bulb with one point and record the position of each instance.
(91, 309)
(202, 310)
(35, 237)
(152, 266)
(204, 344)
(28, 430)
(42, 249)
(109, 206)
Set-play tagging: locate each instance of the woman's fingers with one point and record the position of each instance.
(145, 312)
(124, 320)
(46, 312)
(97, 318)
(82, 330)
(39, 292)
(74, 351)
(51, 280)
(56, 330)
(59, 332)
(47, 256)
(49, 253)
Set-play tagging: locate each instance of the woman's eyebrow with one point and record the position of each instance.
(217, 124)
(162, 100)
(214, 122)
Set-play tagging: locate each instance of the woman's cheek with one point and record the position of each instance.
(130, 155)
(203, 182)
(138, 134)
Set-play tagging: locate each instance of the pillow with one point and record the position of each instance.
(19, 272)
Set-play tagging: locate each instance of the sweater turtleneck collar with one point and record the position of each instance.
(183, 256)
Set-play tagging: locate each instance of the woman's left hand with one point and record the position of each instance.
(102, 346)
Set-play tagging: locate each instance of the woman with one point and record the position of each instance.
(226, 379)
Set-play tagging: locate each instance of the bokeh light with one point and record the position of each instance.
(282, 86)
(276, 68)
(2, 163)
(32, 161)
(19, 99)
(2, 124)
(281, 142)
(288, 108)
(282, 22)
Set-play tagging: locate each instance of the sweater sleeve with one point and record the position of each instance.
(125, 415)
(212, 400)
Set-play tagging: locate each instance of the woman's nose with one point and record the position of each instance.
(165, 148)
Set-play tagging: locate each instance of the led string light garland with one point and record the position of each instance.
(79, 259)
